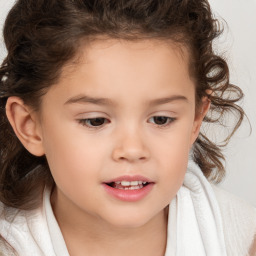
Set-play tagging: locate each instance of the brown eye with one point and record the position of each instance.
(162, 120)
(93, 122)
(96, 121)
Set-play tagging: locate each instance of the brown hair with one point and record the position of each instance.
(41, 36)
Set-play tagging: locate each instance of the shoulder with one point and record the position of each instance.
(11, 226)
(230, 203)
(24, 230)
(239, 222)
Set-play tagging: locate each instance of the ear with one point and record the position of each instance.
(205, 105)
(25, 125)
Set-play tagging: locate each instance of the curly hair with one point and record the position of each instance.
(41, 36)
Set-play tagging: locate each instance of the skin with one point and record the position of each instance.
(131, 75)
(253, 247)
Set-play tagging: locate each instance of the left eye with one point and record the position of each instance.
(162, 120)
(93, 122)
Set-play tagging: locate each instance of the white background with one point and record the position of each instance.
(239, 45)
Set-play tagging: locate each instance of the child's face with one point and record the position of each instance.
(144, 99)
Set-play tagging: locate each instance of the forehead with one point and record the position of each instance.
(138, 46)
(142, 69)
(103, 50)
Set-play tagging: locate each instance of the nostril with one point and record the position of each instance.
(130, 150)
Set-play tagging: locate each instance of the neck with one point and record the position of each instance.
(92, 236)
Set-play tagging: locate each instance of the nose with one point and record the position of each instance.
(130, 147)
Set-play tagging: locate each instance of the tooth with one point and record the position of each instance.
(130, 183)
(134, 187)
(125, 183)
(126, 188)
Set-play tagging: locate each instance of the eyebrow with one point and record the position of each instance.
(84, 99)
(168, 100)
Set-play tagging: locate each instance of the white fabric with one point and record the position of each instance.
(195, 226)
(26, 232)
(239, 222)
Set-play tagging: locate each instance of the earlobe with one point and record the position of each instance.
(25, 125)
(205, 106)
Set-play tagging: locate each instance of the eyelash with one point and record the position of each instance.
(85, 121)
(169, 121)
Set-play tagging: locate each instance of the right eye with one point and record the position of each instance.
(162, 121)
(93, 122)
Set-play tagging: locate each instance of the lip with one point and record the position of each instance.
(129, 195)
(130, 178)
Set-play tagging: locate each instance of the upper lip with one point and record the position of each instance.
(130, 178)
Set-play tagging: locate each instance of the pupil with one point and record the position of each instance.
(97, 121)
(160, 119)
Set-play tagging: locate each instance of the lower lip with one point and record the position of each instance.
(129, 195)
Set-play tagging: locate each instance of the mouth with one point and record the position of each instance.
(128, 185)
(129, 188)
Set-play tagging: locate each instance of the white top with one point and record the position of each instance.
(36, 233)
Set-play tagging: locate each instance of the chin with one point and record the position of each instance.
(128, 220)
(128, 223)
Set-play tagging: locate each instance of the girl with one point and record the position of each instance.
(101, 150)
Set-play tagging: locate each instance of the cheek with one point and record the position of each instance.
(172, 156)
(72, 157)
(174, 163)
(175, 145)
